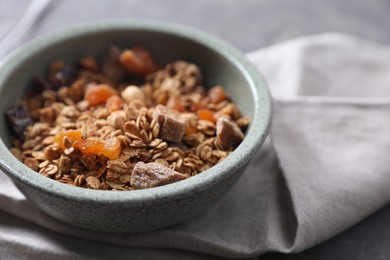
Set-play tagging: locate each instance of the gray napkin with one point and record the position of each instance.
(325, 168)
(330, 130)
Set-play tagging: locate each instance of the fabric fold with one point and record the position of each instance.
(334, 157)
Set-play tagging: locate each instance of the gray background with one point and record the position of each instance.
(249, 25)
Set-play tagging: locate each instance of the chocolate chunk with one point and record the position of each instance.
(19, 119)
(153, 174)
(111, 65)
(229, 135)
(172, 125)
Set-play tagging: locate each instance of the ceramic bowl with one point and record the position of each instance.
(139, 210)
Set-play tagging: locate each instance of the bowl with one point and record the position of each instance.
(148, 209)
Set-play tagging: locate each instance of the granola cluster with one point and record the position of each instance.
(124, 123)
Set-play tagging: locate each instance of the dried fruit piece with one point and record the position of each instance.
(172, 125)
(71, 138)
(217, 94)
(206, 114)
(91, 146)
(152, 175)
(138, 61)
(36, 86)
(19, 119)
(97, 94)
(229, 135)
(114, 103)
(64, 77)
(111, 148)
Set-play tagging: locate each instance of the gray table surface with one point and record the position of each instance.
(249, 25)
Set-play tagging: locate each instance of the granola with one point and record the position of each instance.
(124, 123)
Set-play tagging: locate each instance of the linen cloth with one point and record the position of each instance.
(324, 168)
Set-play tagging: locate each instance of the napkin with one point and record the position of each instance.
(323, 169)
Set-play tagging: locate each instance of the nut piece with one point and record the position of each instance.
(228, 133)
(172, 125)
(133, 93)
(153, 174)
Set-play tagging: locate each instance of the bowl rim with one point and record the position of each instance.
(242, 154)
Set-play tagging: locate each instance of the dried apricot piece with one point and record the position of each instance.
(114, 103)
(92, 146)
(112, 148)
(138, 61)
(217, 94)
(97, 94)
(71, 138)
(206, 114)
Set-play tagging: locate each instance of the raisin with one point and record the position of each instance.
(19, 119)
(64, 77)
(36, 86)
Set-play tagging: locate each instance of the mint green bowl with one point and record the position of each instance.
(140, 210)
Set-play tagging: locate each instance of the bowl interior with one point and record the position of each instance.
(220, 63)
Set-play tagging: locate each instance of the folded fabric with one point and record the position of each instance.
(324, 169)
